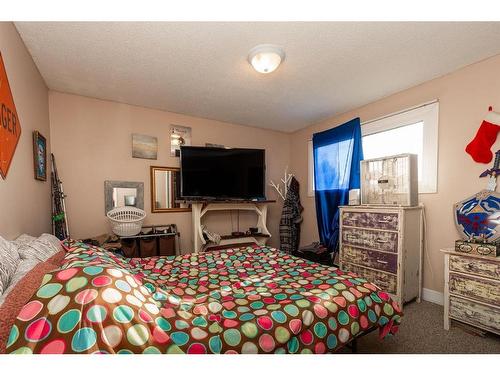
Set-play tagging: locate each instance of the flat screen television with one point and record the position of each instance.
(222, 173)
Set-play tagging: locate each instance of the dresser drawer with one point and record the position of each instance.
(373, 239)
(476, 266)
(384, 281)
(377, 220)
(370, 258)
(475, 314)
(484, 290)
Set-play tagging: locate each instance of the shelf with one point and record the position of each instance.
(235, 201)
(213, 247)
(148, 235)
(239, 241)
(259, 235)
(202, 207)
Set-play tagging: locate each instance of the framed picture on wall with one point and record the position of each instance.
(40, 156)
(144, 146)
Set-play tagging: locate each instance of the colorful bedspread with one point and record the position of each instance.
(248, 300)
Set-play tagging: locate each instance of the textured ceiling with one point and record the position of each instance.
(200, 68)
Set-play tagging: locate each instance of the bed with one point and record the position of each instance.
(246, 300)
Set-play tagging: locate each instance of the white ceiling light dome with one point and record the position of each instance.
(265, 58)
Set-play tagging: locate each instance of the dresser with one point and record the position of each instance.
(384, 245)
(472, 290)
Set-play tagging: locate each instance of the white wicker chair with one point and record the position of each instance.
(126, 221)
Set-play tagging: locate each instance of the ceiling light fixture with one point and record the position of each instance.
(265, 58)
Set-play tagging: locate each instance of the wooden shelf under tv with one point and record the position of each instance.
(233, 241)
(201, 207)
(219, 201)
(231, 236)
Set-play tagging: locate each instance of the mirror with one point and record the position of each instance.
(165, 190)
(124, 197)
(123, 193)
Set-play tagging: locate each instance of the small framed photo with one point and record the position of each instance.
(40, 156)
(179, 136)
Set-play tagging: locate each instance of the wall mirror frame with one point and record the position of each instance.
(165, 199)
(112, 187)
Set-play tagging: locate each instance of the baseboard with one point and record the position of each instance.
(433, 296)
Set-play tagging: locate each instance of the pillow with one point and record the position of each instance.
(26, 266)
(41, 248)
(23, 268)
(23, 239)
(9, 259)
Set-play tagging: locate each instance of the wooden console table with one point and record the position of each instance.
(201, 208)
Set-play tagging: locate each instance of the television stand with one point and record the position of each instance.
(200, 208)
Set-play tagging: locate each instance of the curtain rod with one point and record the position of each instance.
(398, 112)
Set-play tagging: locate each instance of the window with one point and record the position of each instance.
(405, 139)
(412, 131)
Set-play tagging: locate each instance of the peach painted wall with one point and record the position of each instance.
(464, 97)
(24, 201)
(91, 140)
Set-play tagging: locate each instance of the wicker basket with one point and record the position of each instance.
(126, 221)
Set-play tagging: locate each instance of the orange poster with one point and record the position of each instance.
(10, 126)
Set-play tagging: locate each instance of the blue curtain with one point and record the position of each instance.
(337, 153)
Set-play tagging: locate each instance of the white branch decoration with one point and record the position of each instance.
(286, 184)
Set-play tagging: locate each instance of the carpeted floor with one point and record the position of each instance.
(421, 331)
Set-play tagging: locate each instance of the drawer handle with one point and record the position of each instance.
(382, 241)
(384, 221)
(382, 261)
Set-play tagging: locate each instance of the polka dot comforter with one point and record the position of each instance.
(246, 300)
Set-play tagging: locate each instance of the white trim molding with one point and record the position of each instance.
(310, 169)
(428, 114)
(433, 296)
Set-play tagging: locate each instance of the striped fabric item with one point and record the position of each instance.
(41, 248)
(291, 218)
(9, 259)
(22, 269)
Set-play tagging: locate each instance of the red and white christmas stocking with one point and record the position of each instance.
(480, 147)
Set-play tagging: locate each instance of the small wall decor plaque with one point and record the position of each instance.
(179, 136)
(40, 156)
(10, 125)
(144, 146)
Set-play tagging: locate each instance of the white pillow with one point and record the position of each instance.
(23, 268)
(9, 259)
(23, 239)
(41, 248)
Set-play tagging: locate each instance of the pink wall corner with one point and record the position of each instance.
(464, 97)
(91, 140)
(24, 202)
